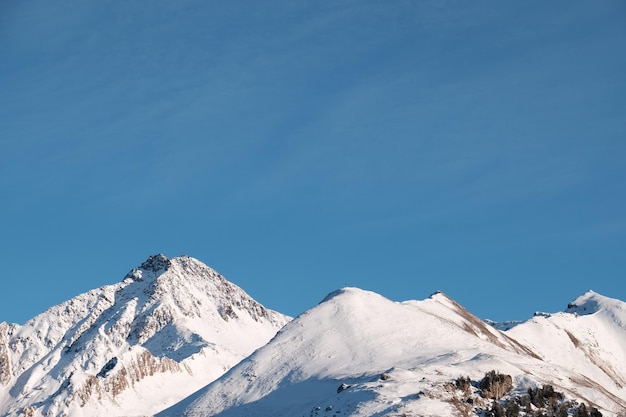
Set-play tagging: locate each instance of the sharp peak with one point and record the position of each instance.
(156, 262)
(156, 265)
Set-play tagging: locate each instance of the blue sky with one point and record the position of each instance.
(402, 147)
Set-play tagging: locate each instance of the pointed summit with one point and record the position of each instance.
(151, 268)
(132, 348)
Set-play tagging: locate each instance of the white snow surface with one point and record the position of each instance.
(132, 348)
(399, 359)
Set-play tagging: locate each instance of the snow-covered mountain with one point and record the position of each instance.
(132, 348)
(359, 354)
(174, 338)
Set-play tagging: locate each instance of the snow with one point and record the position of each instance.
(354, 337)
(589, 340)
(175, 338)
(134, 347)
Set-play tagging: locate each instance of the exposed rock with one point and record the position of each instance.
(118, 380)
(343, 387)
(154, 265)
(29, 411)
(227, 313)
(107, 367)
(5, 361)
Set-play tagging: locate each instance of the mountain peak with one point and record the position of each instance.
(592, 303)
(346, 292)
(589, 303)
(152, 267)
(169, 319)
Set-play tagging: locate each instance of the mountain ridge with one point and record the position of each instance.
(175, 338)
(335, 365)
(172, 319)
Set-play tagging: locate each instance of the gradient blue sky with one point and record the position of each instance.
(297, 147)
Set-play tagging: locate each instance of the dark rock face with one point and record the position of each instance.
(343, 387)
(153, 266)
(156, 263)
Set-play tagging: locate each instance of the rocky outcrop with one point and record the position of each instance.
(5, 361)
(119, 378)
(153, 266)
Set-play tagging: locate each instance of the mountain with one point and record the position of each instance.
(360, 354)
(587, 345)
(132, 348)
(175, 338)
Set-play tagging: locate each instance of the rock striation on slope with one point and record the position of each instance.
(360, 354)
(132, 348)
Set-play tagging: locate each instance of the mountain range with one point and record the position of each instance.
(175, 338)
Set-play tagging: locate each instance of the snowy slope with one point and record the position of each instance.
(170, 327)
(359, 354)
(170, 338)
(589, 340)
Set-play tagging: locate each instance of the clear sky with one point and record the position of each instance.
(297, 147)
